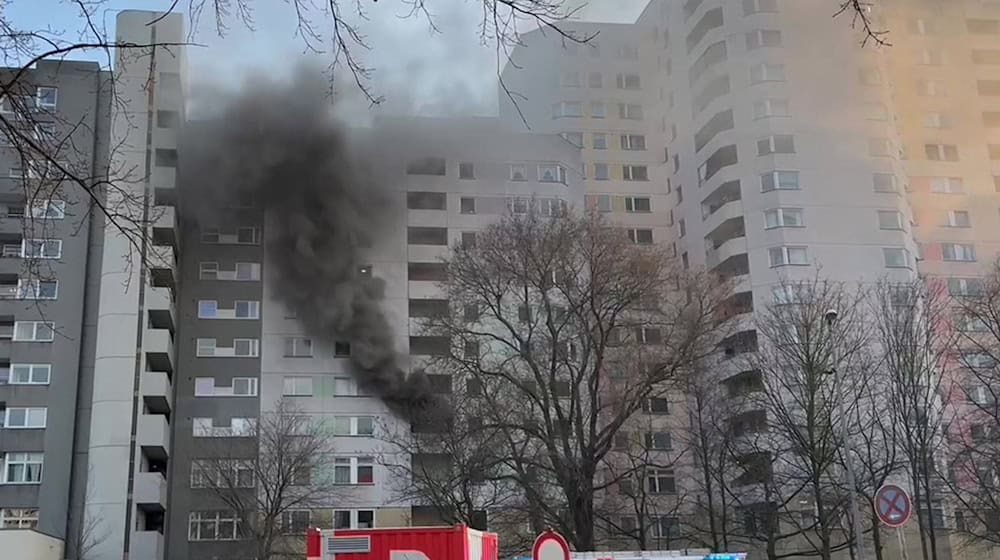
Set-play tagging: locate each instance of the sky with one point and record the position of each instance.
(417, 70)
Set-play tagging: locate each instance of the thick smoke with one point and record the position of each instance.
(279, 144)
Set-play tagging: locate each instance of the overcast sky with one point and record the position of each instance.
(418, 70)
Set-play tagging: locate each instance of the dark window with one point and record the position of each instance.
(429, 345)
(426, 201)
(341, 349)
(432, 272)
(427, 236)
(657, 405)
(473, 387)
(440, 384)
(428, 307)
(468, 205)
(427, 166)
(469, 239)
(719, 123)
(561, 388)
(466, 170)
(711, 20)
(165, 158)
(168, 119)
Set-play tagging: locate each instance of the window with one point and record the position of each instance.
(246, 309)
(776, 144)
(959, 219)
(48, 209)
(947, 185)
(247, 271)
(208, 309)
(771, 107)
(466, 170)
(205, 347)
(298, 347)
(991, 57)
(23, 468)
(570, 79)
(931, 88)
(30, 374)
(295, 522)
(637, 204)
(628, 52)
(246, 347)
(657, 405)
(661, 481)
(517, 205)
(347, 387)
(598, 110)
(37, 289)
(41, 248)
(353, 425)
(353, 519)
(208, 271)
(658, 440)
(599, 141)
(45, 97)
(779, 180)
(633, 142)
(665, 527)
(879, 147)
(575, 138)
(418, 200)
(890, 219)
(427, 166)
(628, 81)
(782, 256)
(681, 228)
(341, 349)
(601, 172)
(630, 111)
(983, 26)
(244, 387)
(876, 112)
(763, 38)
(297, 386)
(759, 6)
(468, 240)
(427, 235)
(518, 172)
(782, 217)
(163, 157)
(353, 470)
(895, 257)
(213, 526)
(641, 236)
(884, 182)
(930, 57)
(965, 286)
(34, 331)
(937, 120)
(567, 109)
(17, 417)
(767, 73)
(941, 152)
(551, 173)
(468, 205)
(958, 252)
(18, 518)
(635, 173)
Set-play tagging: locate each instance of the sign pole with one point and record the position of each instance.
(903, 553)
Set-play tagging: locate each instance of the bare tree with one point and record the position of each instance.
(569, 329)
(913, 331)
(270, 479)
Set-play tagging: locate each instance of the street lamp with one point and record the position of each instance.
(831, 322)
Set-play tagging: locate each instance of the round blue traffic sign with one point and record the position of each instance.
(893, 505)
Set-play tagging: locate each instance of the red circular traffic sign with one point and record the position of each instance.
(893, 505)
(550, 545)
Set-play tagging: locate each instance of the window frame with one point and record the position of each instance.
(35, 329)
(780, 220)
(25, 459)
(295, 385)
(31, 373)
(786, 252)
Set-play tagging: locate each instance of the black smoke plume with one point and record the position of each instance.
(279, 144)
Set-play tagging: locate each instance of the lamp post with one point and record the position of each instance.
(831, 322)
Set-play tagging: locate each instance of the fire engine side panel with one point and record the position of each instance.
(437, 543)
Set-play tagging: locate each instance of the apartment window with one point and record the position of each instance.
(779, 180)
(468, 240)
(427, 166)
(965, 286)
(941, 152)
(599, 141)
(418, 200)
(353, 425)
(879, 147)
(876, 112)
(244, 386)
(994, 151)
(341, 349)
(353, 470)
(208, 309)
(665, 527)
(959, 219)
(295, 522)
(213, 526)
(628, 81)
(18, 518)
(205, 347)
(637, 204)
(247, 271)
(930, 57)
(635, 173)
(34, 331)
(48, 209)
(163, 157)
(782, 217)
(958, 252)
(468, 205)
(759, 6)
(776, 144)
(567, 109)
(767, 73)
(24, 418)
(597, 110)
(931, 88)
(628, 52)
(890, 219)
(570, 79)
(641, 236)
(297, 386)
(681, 228)
(630, 111)
(298, 347)
(656, 405)
(466, 170)
(353, 519)
(551, 173)
(428, 272)
(30, 374)
(785, 256)
(575, 138)
(661, 481)
(517, 205)
(245, 309)
(518, 172)
(347, 387)
(988, 87)
(633, 142)
(601, 172)
(771, 107)
(658, 440)
(947, 185)
(983, 26)
(763, 38)
(595, 80)
(991, 119)
(246, 347)
(38, 289)
(937, 120)
(23, 468)
(208, 271)
(427, 235)
(990, 57)
(884, 182)
(41, 248)
(895, 257)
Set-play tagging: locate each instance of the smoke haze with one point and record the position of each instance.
(280, 144)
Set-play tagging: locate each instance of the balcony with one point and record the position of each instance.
(726, 222)
(154, 386)
(150, 491)
(165, 226)
(727, 256)
(160, 306)
(723, 194)
(162, 262)
(153, 436)
(159, 347)
(146, 545)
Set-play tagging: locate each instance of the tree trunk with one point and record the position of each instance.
(583, 521)
(876, 532)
